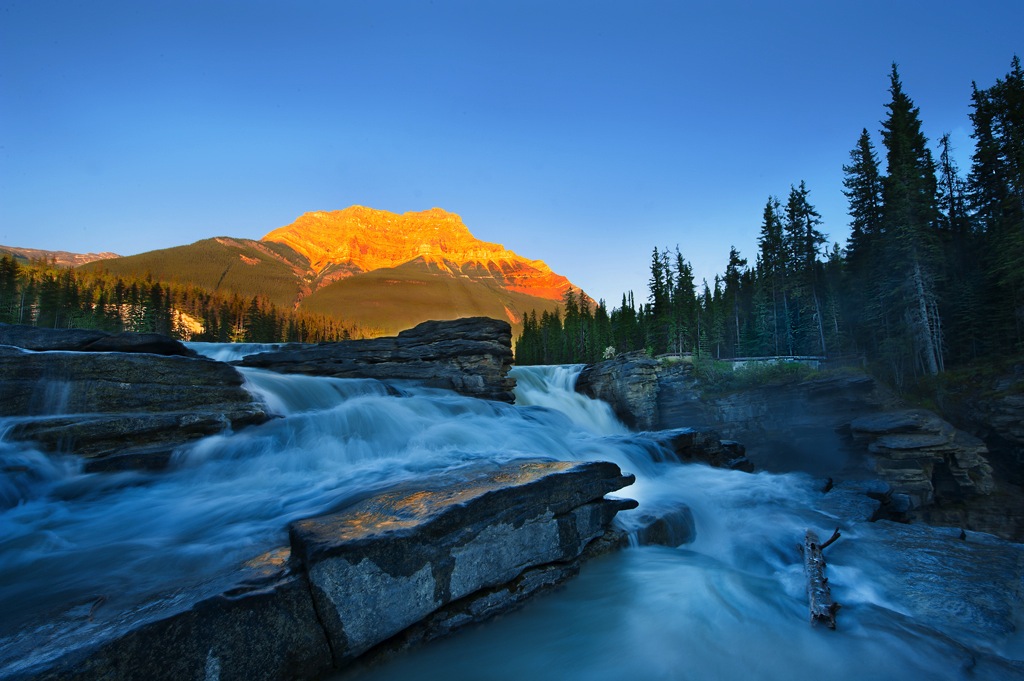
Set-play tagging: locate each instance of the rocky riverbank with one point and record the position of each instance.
(847, 427)
(127, 401)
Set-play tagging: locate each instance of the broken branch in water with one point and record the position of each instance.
(835, 535)
(819, 596)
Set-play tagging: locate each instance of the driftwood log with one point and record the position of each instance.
(819, 596)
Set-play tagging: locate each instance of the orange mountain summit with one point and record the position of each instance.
(342, 243)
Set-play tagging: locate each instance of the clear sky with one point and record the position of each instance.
(581, 133)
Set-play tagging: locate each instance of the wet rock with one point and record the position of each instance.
(388, 562)
(120, 409)
(629, 383)
(702, 445)
(491, 602)
(471, 356)
(925, 458)
(853, 501)
(969, 588)
(90, 340)
(666, 527)
(264, 627)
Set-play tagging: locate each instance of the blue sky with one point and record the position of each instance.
(581, 133)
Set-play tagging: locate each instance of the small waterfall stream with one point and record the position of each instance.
(729, 605)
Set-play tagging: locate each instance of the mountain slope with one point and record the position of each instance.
(342, 243)
(396, 298)
(60, 258)
(223, 264)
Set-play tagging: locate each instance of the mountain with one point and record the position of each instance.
(375, 268)
(61, 258)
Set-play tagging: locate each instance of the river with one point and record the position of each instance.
(729, 605)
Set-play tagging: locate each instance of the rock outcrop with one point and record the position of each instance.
(924, 458)
(120, 409)
(403, 566)
(702, 445)
(629, 383)
(471, 356)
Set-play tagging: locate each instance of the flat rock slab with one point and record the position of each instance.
(90, 340)
(970, 588)
(388, 562)
(906, 421)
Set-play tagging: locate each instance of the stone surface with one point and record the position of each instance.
(629, 383)
(969, 588)
(265, 627)
(852, 501)
(388, 562)
(90, 340)
(120, 409)
(471, 356)
(667, 527)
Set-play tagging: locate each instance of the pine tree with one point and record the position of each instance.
(772, 259)
(909, 220)
(804, 240)
(731, 295)
(863, 189)
(996, 195)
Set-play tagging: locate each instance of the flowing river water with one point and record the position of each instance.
(731, 604)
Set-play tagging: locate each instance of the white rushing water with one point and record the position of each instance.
(729, 605)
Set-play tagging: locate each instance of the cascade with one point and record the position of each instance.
(728, 605)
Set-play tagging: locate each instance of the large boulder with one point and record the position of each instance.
(120, 409)
(471, 356)
(390, 561)
(629, 383)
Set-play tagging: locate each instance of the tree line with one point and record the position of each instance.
(42, 294)
(931, 275)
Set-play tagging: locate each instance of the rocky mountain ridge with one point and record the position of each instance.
(343, 243)
(61, 258)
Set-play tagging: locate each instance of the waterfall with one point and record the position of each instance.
(729, 605)
(231, 352)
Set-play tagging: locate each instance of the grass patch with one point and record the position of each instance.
(717, 377)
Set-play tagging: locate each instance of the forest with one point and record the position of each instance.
(43, 294)
(931, 276)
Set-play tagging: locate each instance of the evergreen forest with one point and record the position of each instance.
(931, 276)
(43, 294)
